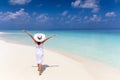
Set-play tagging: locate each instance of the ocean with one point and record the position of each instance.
(101, 45)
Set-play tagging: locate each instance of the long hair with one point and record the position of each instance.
(38, 43)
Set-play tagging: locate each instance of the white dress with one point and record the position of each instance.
(39, 54)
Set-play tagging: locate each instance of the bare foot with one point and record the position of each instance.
(39, 73)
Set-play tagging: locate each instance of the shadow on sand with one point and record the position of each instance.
(47, 66)
(44, 66)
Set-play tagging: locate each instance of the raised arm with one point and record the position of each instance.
(48, 38)
(28, 34)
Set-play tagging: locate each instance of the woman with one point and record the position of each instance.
(39, 39)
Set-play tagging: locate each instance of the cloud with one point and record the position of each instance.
(42, 18)
(23, 18)
(20, 15)
(89, 4)
(64, 13)
(19, 2)
(95, 10)
(76, 4)
(95, 18)
(86, 18)
(72, 19)
(110, 14)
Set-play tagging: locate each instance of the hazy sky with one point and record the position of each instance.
(59, 14)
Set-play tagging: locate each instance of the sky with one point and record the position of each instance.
(59, 14)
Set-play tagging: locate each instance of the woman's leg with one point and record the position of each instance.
(40, 68)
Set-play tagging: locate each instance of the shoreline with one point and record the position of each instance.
(73, 54)
(64, 53)
(95, 70)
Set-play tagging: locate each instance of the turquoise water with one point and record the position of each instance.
(100, 45)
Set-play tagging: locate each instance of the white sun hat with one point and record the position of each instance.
(39, 37)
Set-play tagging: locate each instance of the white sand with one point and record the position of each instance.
(17, 62)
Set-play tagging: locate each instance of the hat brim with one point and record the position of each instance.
(42, 37)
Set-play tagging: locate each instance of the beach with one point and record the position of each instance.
(18, 63)
(59, 40)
